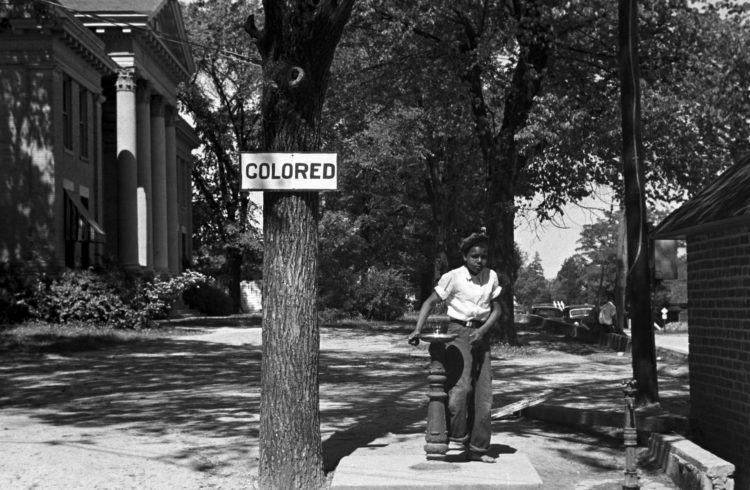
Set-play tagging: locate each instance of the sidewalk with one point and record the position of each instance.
(588, 406)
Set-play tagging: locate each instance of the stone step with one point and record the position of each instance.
(377, 468)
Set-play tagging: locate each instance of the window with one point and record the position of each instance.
(67, 112)
(80, 231)
(83, 122)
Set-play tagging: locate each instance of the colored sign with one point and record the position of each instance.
(289, 171)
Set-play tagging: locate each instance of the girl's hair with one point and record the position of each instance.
(473, 240)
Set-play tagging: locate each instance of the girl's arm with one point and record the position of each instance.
(424, 313)
(479, 333)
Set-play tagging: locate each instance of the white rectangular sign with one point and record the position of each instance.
(289, 171)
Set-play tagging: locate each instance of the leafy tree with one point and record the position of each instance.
(411, 181)
(536, 83)
(221, 101)
(296, 43)
(571, 285)
(597, 243)
(531, 285)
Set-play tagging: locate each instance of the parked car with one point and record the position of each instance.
(547, 311)
(576, 313)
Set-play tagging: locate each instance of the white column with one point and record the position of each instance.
(127, 169)
(98, 202)
(173, 220)
(145, 222)
(159, 185)
(189, 208)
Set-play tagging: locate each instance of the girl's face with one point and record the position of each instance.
(476, 259)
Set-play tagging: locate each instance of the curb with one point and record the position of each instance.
(672, 355)
(648, 420)
(621, 343)
(689, 465)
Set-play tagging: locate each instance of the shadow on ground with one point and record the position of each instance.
(371, 384)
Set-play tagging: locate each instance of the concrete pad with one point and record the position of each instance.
(367, 469)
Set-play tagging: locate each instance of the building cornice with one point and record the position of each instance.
(79, 39)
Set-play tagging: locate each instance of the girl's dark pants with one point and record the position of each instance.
(469, 387)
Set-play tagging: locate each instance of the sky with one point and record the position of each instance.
(557, 240)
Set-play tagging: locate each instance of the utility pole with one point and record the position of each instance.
(638, 273)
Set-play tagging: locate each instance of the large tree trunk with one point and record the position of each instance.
(501, 232)
(504, 162)
(297, 46)
(638, 277)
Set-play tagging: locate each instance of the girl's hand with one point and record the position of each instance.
(476, 336)
(413, 338)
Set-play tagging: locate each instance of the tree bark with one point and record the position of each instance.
(297, 45)
(638, 277)
(502, 157)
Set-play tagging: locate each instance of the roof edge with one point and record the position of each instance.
(683, 233)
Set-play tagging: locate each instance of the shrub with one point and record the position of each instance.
(16, 290)
(208, 299)
(82, 296)
(156, 297)
(118, 299)
(382, 294)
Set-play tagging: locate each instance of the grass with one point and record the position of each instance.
(40, 337)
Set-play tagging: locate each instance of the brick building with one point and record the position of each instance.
(716, 226)
(94, 159)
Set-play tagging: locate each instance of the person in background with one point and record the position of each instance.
(607, 315)
(471, 293)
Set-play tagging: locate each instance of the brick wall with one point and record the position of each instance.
(719, 303)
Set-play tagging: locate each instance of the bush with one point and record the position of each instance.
(208, 299)
(117, 299)
(156, 297)
(16, 290)
(382, 294)
(82, 296)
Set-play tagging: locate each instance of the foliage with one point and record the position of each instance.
(598, 244)
(571, 285)
(340, 254)
(222, 99)
(209, 299)
(528, 92)
(382, 294)
(116, 299)
(156, 297)
(531, 286)
(693, 102)
(82, 296)
(16, 289)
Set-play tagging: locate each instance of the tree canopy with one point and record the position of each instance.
(449, 116)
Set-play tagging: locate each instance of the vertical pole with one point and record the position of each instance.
(436, 437)
(638, 274)
(630, 435)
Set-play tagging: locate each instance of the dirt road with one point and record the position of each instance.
(182, 412)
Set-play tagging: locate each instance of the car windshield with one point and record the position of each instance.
(576, 312)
